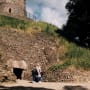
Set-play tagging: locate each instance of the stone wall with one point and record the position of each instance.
(6, 75)
(13, 7)
(18, 46)
(67, 75)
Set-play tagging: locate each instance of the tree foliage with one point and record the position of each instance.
(78, 24)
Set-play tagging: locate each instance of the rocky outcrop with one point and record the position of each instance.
(6, 74)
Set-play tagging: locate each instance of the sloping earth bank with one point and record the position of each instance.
(17, 46)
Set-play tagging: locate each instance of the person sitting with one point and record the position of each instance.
(34, 75)
(37, 73)
(38, 68)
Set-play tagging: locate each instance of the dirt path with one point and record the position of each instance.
(26, 85)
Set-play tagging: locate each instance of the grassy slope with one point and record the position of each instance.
(26, 25)
(72, 54)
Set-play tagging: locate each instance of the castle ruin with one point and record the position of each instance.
(13, 7)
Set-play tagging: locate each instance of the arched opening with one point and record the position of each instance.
(18, 68)
(9, 10)
(18, 72)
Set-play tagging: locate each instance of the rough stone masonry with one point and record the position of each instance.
(13, 7)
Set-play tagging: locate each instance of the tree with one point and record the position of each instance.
(78, 24)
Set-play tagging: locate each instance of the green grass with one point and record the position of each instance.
(80, 57)
(60, 66)
(10, 22)
(6, 21)
(74, 56)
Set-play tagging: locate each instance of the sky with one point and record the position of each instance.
(51, 11)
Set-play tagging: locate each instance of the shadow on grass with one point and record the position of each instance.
(72, 38)
(22, 88)
(74, 88)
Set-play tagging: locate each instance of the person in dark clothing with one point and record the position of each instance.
(39, 70)
(35, 75)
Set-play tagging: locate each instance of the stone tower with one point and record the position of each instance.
(13, 7)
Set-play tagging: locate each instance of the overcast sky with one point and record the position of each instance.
(51, 11)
